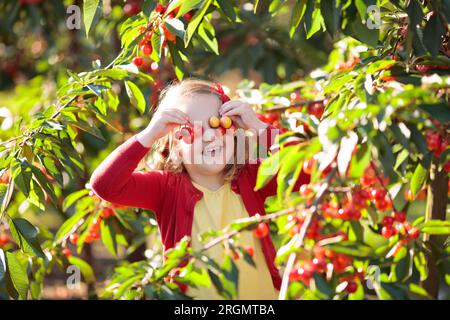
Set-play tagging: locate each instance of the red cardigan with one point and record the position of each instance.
(172, 196)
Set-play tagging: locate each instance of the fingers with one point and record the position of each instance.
(176, 116)
(237, 111)
(229, 105)
(178, 113)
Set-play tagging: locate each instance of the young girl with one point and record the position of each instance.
(190, 197)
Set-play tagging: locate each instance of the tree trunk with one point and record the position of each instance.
(436, 209)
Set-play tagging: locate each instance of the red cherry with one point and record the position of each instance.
(343, 214)
(319, 252)
(146, 49)
(308, 166)
(74, 238)
(378, 194)
(131, 8)
(106, 213)
(320, 265)
(138, 61)
(400, 216)
(271, 117)
(354, 213)
(433, 139)
(188, 16)
(96, 222)
(383, 204)
(414, 232)
(409, 195)
(4, 239)
(351, 287)
(295, 96)
(387, 221)
(186, 133)
(388, 231)
(250, 250)
(300, 274)
(67, 252)
(316, 109)
(447, 167)
(261, 230)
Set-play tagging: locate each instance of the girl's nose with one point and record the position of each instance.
(211, 134)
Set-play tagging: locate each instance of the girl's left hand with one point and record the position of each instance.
(242, 115)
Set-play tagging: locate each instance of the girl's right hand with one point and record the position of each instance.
(163, 121)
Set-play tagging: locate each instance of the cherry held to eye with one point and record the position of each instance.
(214, 122)
(186, 133)
(225, 122)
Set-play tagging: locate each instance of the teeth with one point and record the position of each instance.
(211, 149)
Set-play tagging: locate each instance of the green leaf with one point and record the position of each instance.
(90, 8)
(436, 227)
(18, 274)
(322, 286)
(418, 179)
(331, 15)
(297, 16)
(69, 224)
(353, 249)
(109, 236)
(26, 236)
(157, 44)
(186, 6)
(91, 129)
(207, 34)
(3, 190)
(175, 26)
(177, 61)
(439, 111)
(21, 173)
(85, 268)
(73, 197)
(421, 265)
(360, 161)
(317, 23)
(227, 7)
(195, 21)
(136, 97)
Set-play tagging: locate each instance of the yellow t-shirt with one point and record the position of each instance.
(215, 211)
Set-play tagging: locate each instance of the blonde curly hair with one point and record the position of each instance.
(167, 157)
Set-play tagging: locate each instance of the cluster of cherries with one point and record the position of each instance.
(156, 17)
(397, 224)
(325, 261)
(94, 229)
(425, 69)
(186, 133)
(436, 142)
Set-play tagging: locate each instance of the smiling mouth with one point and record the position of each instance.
(212, 151)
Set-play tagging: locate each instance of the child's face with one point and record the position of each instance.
(211, 150)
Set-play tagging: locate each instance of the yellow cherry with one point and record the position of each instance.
(226, 122)
(214, 122)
